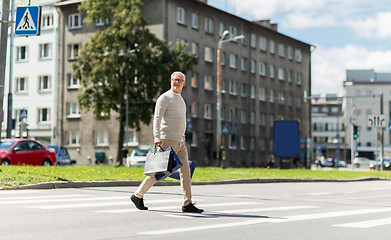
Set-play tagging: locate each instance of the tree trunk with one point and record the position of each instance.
(120, 143)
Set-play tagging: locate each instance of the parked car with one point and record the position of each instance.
(362, 162)
(329, 162)
(26, 152)
(62, 155)
(377, 164)
(137, 158)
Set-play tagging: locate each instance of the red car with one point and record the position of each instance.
(26, 152)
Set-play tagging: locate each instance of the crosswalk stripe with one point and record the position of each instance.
(99, 204)
(268, 220)
(176, 207)
(367, 224)
(61, 200)
(190, 215)
(37, 197)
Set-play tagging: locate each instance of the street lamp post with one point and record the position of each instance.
(218, 102)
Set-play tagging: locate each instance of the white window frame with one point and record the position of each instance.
(271, 97)
(271, 71)
(73, 110)
(298, 55)
(72, 83)
(281, 50)
(208, 54)
(243, 117)
(208, 82)
(47, 21)
(242, 143)
(73, 138)
(232, 115)
(231, 143)
(74, 21)
(195, 137)
(209, 25)
(73, 51)
(207, 111)
(194, 109)
(233, 31)
(299, 77)
(253, 40)
(252, 66)
(101, 138)
(244, 64)
(21, 85)
(262, 69)
(132, 138)
(262, 44)
(181, 15)
(20, 51)
(45, 80)
(45, 51)
(262, 94)
(233, 87)
(194, 20)
(252, 92)
(290, 53)
(243, 91)
(194, 80)
(272, 47)
(43, 115)
(194, 49)
(281, 74)
(233, 61)
(262, 119)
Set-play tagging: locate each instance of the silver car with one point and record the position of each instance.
(137, 158)
(362, 162)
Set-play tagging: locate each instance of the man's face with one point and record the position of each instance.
(177, 83)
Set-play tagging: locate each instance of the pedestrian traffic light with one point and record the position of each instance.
(355, 132)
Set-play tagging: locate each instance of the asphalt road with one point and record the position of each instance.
(348, 210)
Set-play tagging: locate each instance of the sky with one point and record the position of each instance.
(347, 34)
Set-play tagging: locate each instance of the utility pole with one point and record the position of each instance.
(3, 53)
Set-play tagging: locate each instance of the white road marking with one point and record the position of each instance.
(268, 220)
(319, 193)
(38, 197)
(177, 207)
(217, 213)
(61, 200)
(99, 204)
(367, 224)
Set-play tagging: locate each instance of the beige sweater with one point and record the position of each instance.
(169, 121)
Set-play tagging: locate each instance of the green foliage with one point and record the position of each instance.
(108, 63)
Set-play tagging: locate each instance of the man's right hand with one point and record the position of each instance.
(158, 143)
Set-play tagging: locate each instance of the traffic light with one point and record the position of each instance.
(355, 132)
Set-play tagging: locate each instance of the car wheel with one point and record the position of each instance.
(5, 162)
(46, 162)
(357, 165)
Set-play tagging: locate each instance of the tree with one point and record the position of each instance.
(107, 64)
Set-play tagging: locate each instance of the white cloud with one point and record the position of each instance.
(301, 20)
(378, 26)
(329, 65)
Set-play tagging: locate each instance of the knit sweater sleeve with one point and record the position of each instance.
(160, 108)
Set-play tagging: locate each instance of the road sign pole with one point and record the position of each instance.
(3, 53)
(9, 103)
(382, 133)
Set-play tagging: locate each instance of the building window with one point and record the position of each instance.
(262, 119)
(194, 138)
(73, 51)
(194, 49)
(132, 138)
(208, 54)
(243, 117)
(271, 123)
(244, 89)
(209, 25)
(290, 100)
(194, 109)
(281, 97)
(233, 60)
(74, 21)
(101, 138)
(194, 20)
(45, 83)
(253, 40)
(281, 74)
(233, 32)
(262, 69)
(272, 47)
(252, 66)
(298, 101)
(242, 143)
(21, 54)
(73, 138)
(208, 82)
(271, 99)
(73, 110)
(271, 71)
(252, 118)
(262, 94)
(221, 29)
(281, 50)
(290, 76)
(232, 115)
(208, 111)
(21, 85)
(45, 51)
(222, 58)
(298, 78)
(290, 53)
(233, 87)
(262, 144)
(262, 44)
(232, 141)
(244, 64)
(43, 115)
(194, 80)
(47, 21)
(298, 56)
(180, 15)
(252, 92)
(100, 22)
(72, 82)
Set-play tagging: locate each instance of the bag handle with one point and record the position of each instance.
(160, 148)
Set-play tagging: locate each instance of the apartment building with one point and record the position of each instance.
(363, 90)
(265, 77)
(34, 79)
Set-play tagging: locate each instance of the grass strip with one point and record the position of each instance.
(22, 175)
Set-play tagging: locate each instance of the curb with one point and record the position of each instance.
(133, 183)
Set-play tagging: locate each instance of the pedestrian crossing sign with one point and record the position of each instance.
(28, 21)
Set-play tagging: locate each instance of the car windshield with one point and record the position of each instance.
(140, 153)
(6, 145)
